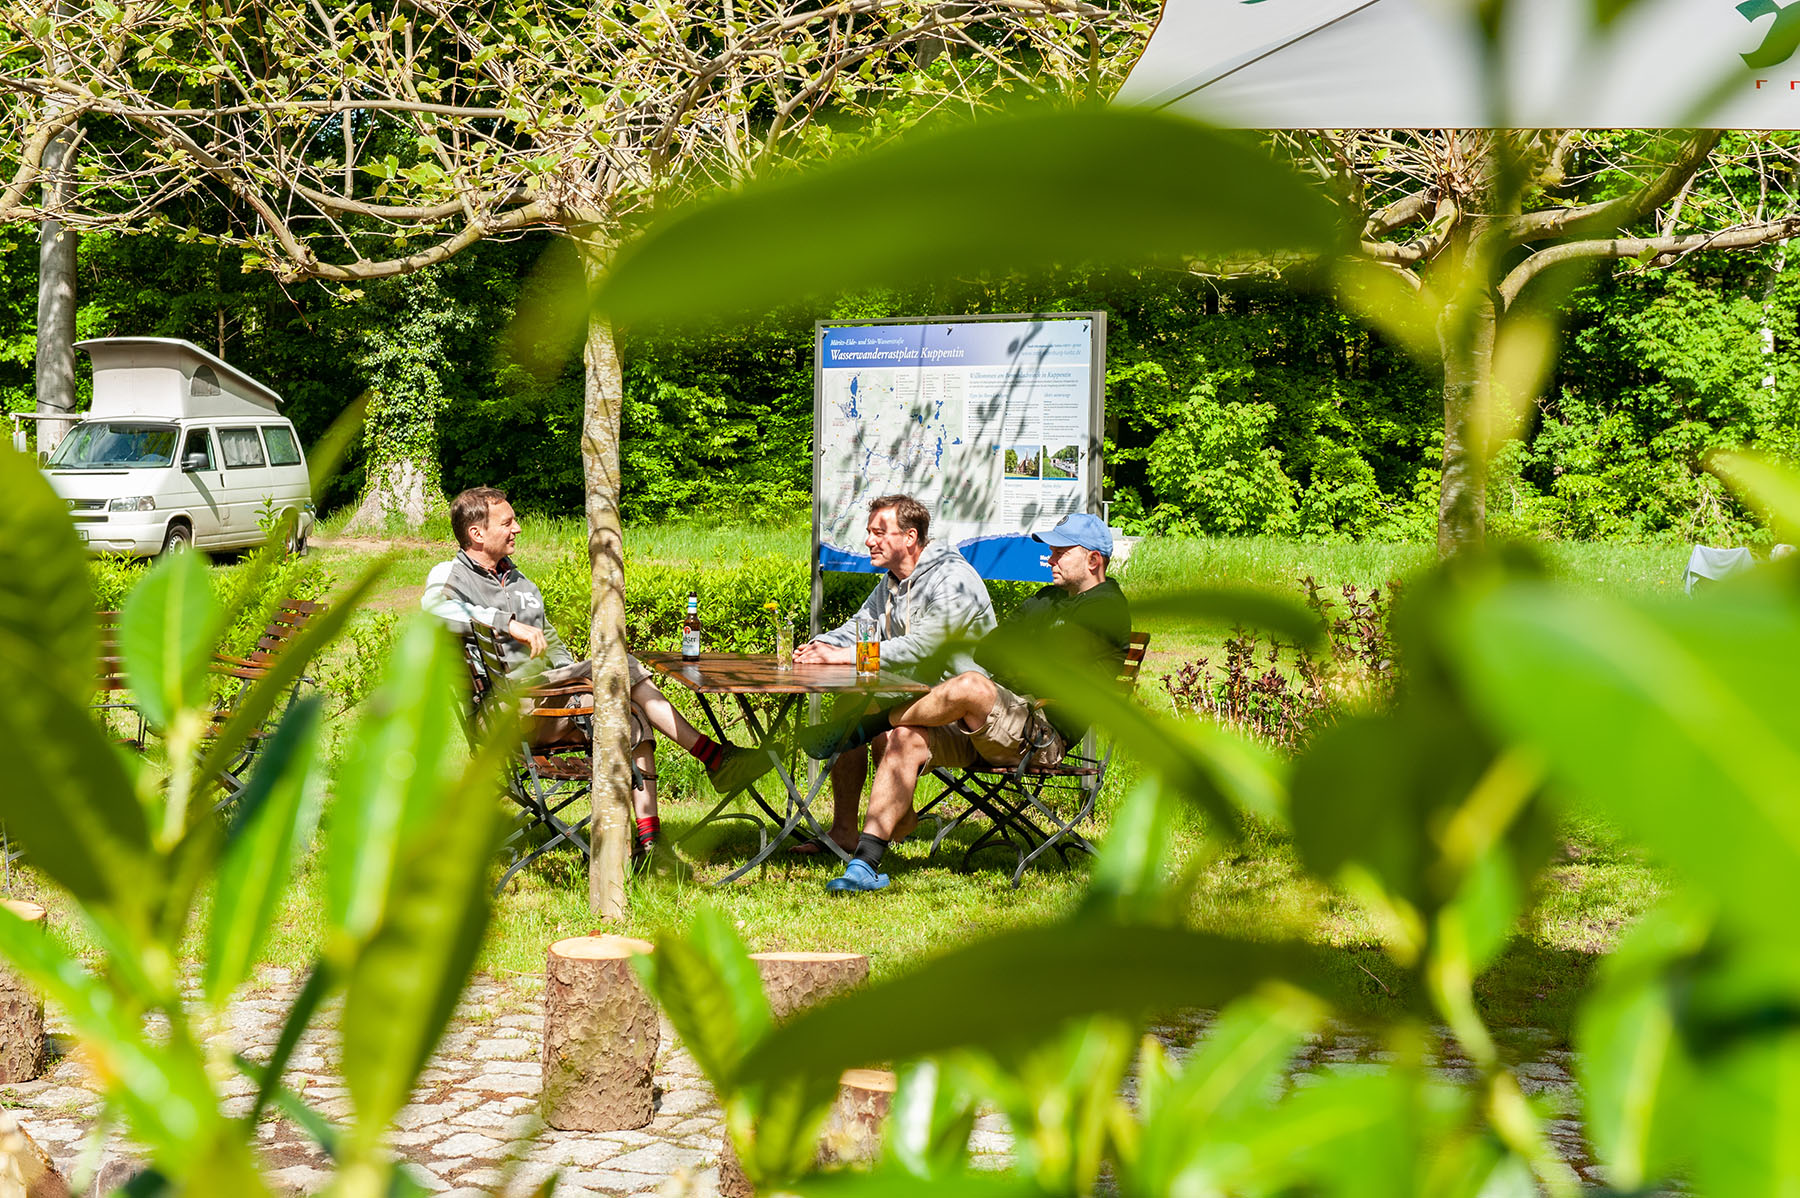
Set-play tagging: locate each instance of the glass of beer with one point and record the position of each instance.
(868, 648)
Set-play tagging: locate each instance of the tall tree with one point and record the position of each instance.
(1518, 215)
(55, 357)
(369, 142)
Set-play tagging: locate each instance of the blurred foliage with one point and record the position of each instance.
(139, 840)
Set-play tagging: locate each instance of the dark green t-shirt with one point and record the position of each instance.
(1100, 612)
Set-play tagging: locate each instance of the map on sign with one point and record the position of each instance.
(991, 424)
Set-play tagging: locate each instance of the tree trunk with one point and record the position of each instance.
(21, 1013)
(56, 306)
(610, 831)
(398, 486)
(600, 1036)
(1467, 342)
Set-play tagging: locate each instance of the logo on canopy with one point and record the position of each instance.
(1783, 37)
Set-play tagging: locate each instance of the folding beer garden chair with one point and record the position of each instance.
(1032, 808)
(542, 781)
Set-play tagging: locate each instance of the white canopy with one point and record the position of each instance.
(1403, 64)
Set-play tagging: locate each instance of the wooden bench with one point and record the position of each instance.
(287, 621)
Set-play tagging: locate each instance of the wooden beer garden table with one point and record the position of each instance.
(743, 675)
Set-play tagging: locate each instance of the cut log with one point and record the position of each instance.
(21, 1012)
(600, 1036)
(26, 1170)
(852, 1132)
(797, 980)
(794, 981)
(851, 1136)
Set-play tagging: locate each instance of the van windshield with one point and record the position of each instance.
(115, 445)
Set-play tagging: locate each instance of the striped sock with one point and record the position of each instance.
(648, 829)
(708, 752)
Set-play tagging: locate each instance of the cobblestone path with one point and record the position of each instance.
(472, 1128)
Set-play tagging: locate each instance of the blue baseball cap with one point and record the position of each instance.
(1079, 528)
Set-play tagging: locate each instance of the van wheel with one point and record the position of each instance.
(296, 540)
(179, 539)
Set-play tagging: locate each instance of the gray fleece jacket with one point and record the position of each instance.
(462, 593)
(930, 620)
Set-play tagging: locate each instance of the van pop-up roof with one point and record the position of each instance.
(169, 378)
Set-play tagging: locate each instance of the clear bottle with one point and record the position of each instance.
(690, 631)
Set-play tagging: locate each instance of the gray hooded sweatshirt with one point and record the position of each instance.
(923, 617)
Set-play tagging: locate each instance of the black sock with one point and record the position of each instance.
(869, 850)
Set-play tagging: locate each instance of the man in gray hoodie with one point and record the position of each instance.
(480, 585)
(930, 607)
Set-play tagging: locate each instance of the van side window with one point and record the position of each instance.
(282, 450)
(198, 442)
(240, 447)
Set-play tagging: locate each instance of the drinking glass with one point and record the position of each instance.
(868, 648)
(784, 644)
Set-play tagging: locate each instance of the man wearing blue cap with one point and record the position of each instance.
(974, 716)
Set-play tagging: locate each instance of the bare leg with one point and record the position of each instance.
(966, 697)
(848, 773)
(896, 779)
(663, 717)
(643, 799)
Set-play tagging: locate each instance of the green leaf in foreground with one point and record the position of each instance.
(1770, 488)
(405, 752)
(1677, 719)
(166, 636)
(47, 627)
(1223, 774)
(424, 926)
(1016, 192)
(1029, 983)
(1283, 618)
(70, 799)
(706, 983)
(275, 817)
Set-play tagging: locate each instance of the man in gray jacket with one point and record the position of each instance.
(930, 607)
(480, 585)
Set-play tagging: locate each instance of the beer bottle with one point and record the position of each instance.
(690, 631)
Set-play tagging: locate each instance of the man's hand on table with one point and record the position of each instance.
(816, 653)
(531, 636)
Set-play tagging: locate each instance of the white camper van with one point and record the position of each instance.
(178, 449)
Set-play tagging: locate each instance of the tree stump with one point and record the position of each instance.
(797, 980)
(600, 1036)
(851, 1135)
(25, 1168)
(794, 981)
(21, 1012)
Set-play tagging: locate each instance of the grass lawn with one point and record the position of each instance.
(1595, 889)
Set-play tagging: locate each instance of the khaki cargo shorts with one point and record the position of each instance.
(567, 730)
(1012, 726)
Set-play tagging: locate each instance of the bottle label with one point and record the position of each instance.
(690, 643)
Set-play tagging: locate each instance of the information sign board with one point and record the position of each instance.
(994, 423)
